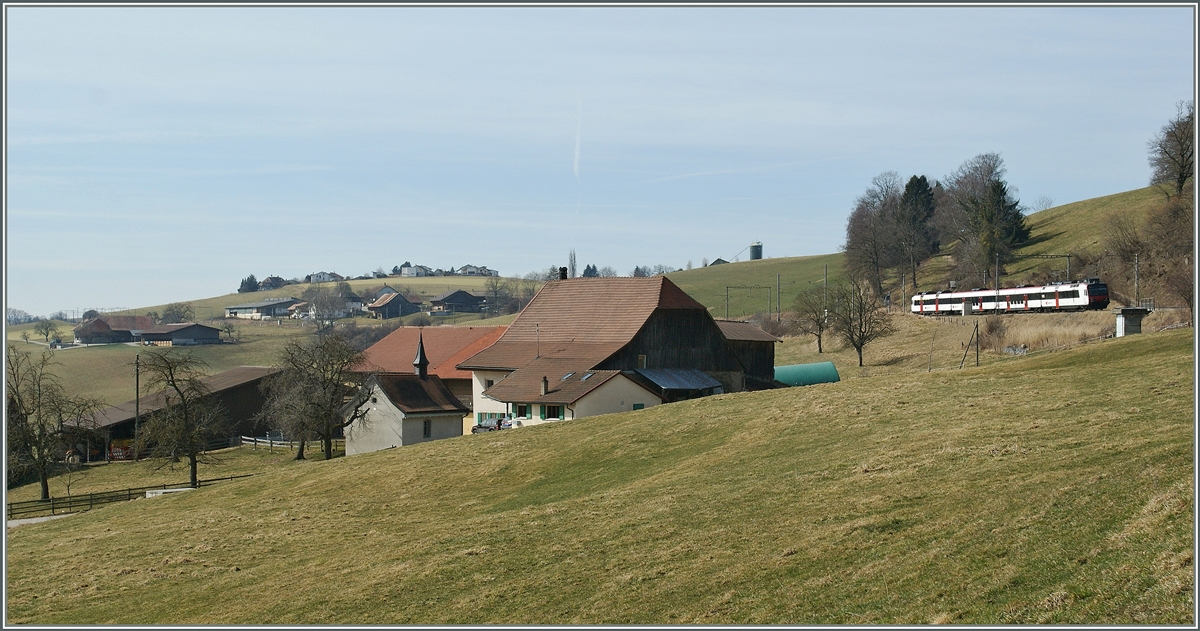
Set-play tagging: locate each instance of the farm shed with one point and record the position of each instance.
(275, 307)
(601, 324)
(755, 348)
(184, 334)
(111, 329)
(236, 389)
(807, 374)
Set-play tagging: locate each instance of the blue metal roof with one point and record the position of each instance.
(679, 378)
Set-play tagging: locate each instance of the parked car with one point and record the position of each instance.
(491, 425)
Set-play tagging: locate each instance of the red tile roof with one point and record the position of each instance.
(583, 318)
(445, 346)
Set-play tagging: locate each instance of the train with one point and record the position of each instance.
(1079, 295)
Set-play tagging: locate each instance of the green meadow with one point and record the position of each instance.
(1050, 489)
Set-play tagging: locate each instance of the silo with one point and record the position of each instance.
(756, 250)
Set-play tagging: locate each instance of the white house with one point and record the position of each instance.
(404, 409)
(413, 271)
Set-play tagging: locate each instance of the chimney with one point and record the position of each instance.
(562, 273)
(421, 363)
(545, 386)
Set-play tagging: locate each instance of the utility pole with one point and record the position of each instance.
(997, 282)
(1137, 292)
(778, 300)
(137, 403)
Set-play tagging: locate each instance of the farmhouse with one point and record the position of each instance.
(457, 301)
(662, 344)
(392, 305)
(271, 282)
(474, 270)
(403, 409)
(324, 277)
(237, 390)
(415, 271)
(110, 329)
(447, 347)
(184, 334)
(275, 307)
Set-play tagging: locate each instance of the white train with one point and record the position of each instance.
(1067, 296)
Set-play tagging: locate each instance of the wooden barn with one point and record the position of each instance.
(237, 390)
(605, 324)
(111, 329)
(392, 305)
(457, 301)
(755, 349)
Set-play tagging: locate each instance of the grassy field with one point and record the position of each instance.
(428, 287)
(790, 275)
(1050, 489)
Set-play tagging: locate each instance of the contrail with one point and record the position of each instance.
(578, 128)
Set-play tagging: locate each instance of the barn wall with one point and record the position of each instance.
(677, 338)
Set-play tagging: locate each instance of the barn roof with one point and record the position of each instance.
(153, 402)
(413, 395)
(679, 378)
(745, 332)
(445, 346)
(171, 328)
(582, 318)
(386, 298)
(265, 303)
(120, 323)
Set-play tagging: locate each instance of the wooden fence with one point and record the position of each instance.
(79, 503)
(339, 444)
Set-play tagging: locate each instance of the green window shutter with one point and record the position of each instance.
(543, 412)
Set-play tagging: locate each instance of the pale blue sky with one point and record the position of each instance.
(162, 154)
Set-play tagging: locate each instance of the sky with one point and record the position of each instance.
(161, 154)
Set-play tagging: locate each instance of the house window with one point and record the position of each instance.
(487, 383)
(641, 361)
(566, 376)
(522, 411)
(428, 428)
(553, 411)
(639, 406)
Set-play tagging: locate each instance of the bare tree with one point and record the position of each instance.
(190, 417)
(308, 397)
(177, 312)
(1172, 151)
(982, 213)
(857, 317)
(870, 232)
(812, 313)
(499, 293)
(571, 264)
(39, 415)
(608, 272)
(46, 328)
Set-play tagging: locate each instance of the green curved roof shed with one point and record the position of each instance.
(807, 374)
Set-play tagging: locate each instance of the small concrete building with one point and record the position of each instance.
(405, 409)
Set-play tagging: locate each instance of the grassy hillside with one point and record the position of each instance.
(427, 287)
(1050, 489)
(790, 275)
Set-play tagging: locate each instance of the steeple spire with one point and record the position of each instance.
(421, 363)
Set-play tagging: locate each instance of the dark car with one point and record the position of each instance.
(491, 425)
